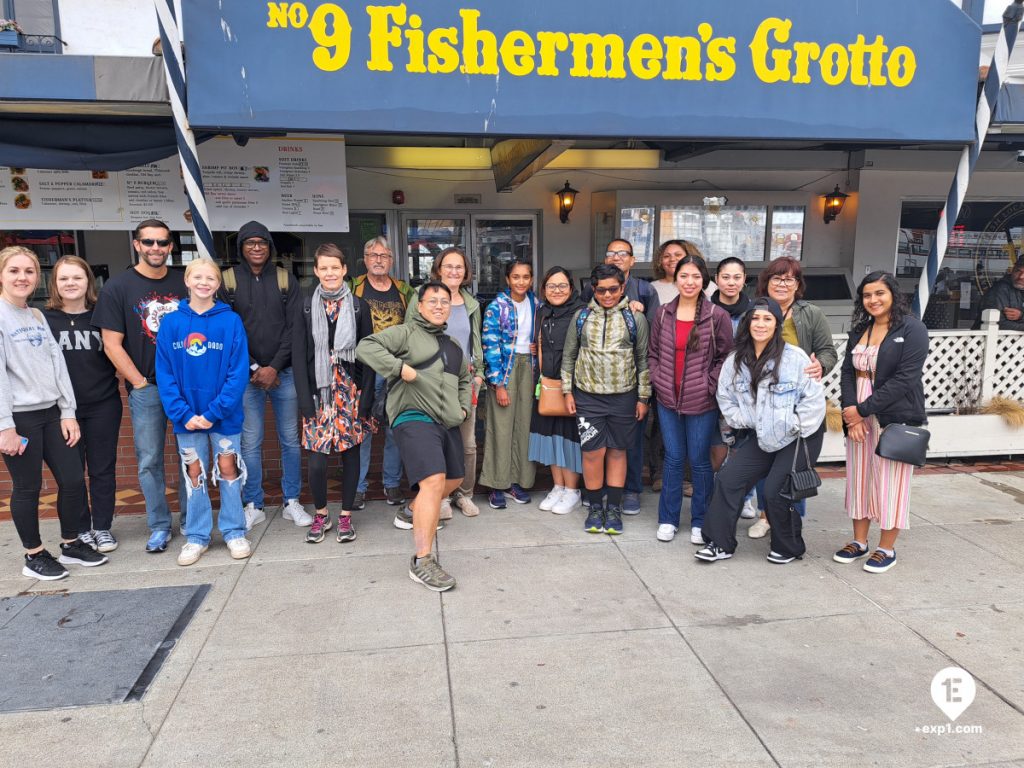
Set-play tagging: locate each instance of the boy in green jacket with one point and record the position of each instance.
(428, 399)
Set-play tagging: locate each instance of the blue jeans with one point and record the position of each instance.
(762, 505)
(193, 446)
(635, 461)
(286, 415)
(686, 438)
(149, 428)
(392, 460)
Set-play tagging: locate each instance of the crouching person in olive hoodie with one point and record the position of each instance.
(428, 399)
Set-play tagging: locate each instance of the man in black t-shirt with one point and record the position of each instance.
(387, 299)
(129, 310)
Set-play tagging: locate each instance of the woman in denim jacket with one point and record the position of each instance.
(767, 395)
(509, 365)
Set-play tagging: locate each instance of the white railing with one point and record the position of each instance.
(965, 368)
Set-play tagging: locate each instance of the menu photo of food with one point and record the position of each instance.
(100, 175)
(261, 173)
(19, 184)
(17, 171)
(21, 202)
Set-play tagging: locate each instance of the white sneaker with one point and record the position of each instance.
(749, 511)
(190, 553)
(666, 532)
(696, 537)
(549, 501)
(253, 516)
(567, 502)
(446, 509)
(759, 529)
(295, 512)
(239, 548)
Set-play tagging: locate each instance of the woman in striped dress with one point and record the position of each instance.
(881, 384)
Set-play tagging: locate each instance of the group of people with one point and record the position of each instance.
(732, 384)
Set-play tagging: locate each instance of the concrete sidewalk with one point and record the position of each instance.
(562, 648)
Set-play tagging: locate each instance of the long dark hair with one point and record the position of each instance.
(746, 357)
(693, 342)
(860, 319)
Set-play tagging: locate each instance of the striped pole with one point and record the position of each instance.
(174, 69)
(969, 157)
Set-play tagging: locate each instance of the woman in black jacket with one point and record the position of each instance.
(555, 440)
(881, 384)
(334, 390)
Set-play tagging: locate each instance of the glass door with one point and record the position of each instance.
(425, 237)
(497, 240)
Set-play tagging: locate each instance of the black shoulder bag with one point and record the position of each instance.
(800, 483)
(901, 442)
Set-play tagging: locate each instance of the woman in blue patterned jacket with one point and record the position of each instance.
(509, 366)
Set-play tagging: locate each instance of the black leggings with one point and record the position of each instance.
(100, 423)
(745, 467)
(45, 443)
(317, 467)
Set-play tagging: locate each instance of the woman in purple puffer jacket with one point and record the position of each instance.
(690, 339)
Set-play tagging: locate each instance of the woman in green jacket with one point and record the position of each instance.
(452, 268)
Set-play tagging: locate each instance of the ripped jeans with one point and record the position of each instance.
(195, 446)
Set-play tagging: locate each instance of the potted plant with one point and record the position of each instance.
(9, 31)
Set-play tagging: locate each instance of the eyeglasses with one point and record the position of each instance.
(437, 303)
(606, 291)
(783, 281)
(558, 287)
(378, 256)
(150, 242)
(257, 242)
(453, 268)
(618, 254)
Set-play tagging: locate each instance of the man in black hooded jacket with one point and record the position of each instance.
(267, 298)
(1007, 295)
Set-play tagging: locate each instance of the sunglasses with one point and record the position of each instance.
(150, 242)
(607, 291)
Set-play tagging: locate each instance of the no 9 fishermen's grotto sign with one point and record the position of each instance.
(868, 70)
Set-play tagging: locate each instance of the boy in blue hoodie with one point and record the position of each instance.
(202, 367)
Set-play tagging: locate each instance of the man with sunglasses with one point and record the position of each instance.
(266, 298)
(388, 299)
(129, 311)
(642, 297)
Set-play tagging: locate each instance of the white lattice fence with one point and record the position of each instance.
(953, 374)
(1008, 376)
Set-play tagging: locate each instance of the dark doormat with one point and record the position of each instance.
(73, 649)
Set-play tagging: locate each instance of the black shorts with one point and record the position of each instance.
(429, 449)
(606, 421)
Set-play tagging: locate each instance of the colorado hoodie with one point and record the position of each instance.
(202, 367)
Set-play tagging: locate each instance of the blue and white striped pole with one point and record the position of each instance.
(174, 69)
(958, 191)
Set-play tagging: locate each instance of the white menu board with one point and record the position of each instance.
(290, 185)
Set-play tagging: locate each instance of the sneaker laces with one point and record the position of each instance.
(852, 549)
(877, 557)
(104, 537)
(432, 568)
(319, 523)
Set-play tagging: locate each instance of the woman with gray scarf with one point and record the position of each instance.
(334, 390)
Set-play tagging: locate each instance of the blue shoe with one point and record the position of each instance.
(158, 541)
(630, 503)
(496, 499)
(850, 553)
(613, 521)
(595, 521)
(518, 495)
(879, 562)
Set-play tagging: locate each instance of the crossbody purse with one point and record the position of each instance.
(550, 400)
(904, 443)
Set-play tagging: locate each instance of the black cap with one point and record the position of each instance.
(770, 304)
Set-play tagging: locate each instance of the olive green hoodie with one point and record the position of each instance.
(443, 396)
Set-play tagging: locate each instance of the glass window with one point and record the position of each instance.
(731, 230)
(426, 238)
(987, 240)
(787, 237)
(637, 226)
(497, 241)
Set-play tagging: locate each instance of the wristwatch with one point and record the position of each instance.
(254, 367)
(644, 400)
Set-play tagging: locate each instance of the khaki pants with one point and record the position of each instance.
(507, 437)
(468, 430)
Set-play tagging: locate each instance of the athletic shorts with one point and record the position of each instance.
(429, 449)
(606, 421)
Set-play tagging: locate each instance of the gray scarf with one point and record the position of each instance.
(344, 344)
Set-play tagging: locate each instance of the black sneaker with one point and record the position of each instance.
(394, 496)
(710, 553)
(80, 553)
(613, 520)
(359, 502)
(595, 521)
(775, 557)
(42, 566)
(403, 519)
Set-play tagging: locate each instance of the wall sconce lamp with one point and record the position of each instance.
(566, 200)
(834, 202)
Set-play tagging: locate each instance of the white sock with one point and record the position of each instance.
(888, 552)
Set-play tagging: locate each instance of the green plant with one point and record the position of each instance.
(10, 25)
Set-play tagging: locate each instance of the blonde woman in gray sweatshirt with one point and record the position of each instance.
(37, 421)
